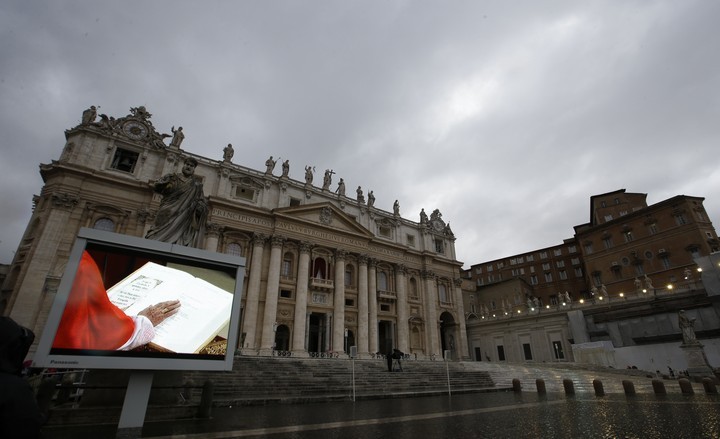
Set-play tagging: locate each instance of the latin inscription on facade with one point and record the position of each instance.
(219, 213)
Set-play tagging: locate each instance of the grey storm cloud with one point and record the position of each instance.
(506, 116)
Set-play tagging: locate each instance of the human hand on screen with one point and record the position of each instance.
(159, 312)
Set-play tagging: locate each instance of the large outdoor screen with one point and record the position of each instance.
(131, 303)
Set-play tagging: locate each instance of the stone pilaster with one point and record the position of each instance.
(372, 306)
(212, 235)
(362, 335)
(271, 296)
(338, 328)
(253, 292)
(431, 303)
(301, 295)
(463, 350)
(402, 309)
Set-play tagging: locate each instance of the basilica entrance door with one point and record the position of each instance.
(317, 336)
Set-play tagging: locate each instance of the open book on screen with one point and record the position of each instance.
(204, 308)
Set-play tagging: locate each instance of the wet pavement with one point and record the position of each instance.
(479, 415)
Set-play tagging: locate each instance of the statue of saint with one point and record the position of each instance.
(327, 179)
(286, 168)
(648, 283)
(638, 284)
(309, 174)
(423, 216)
(183, 209)
(177, 138)
(270, 165)
(687, 326)
(396, 208)
(89, 115)
(567, 297)
(360, 196)
(341, 188)
(371, 199)
(228, 152)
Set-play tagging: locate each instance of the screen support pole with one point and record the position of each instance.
(137, 395)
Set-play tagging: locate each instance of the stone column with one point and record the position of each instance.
(338, 328)
(253, 291)
(372, 307)
(362, 335)
(463, 349)
(301, 293)
(402, 310)
(431, 301)
(212, 235)
(271, 296)
(26, 304)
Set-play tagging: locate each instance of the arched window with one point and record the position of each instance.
(234, 249)
(382, 281)
(442, 291)
(105, 224)
(412, 284)
(349, 275)
(287, 265)
(320, 269)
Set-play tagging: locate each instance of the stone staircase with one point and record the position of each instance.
(268, 380)
(258, 380)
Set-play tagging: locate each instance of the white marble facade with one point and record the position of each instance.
(324, 271)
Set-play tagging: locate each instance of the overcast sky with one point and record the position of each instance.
(506, 116)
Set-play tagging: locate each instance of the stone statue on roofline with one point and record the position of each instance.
(228, 152)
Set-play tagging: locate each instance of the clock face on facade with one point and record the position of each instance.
(135, 130)
(437, 225)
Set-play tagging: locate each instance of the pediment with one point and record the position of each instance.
(324, 215)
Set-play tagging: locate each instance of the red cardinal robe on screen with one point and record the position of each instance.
(90, 320)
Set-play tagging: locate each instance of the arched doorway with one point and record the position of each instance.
(448, 335)
(282, 338)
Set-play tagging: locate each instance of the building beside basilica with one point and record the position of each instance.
(610, 295)
(324, 271)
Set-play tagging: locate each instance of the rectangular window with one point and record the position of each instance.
(597, 279)
(124, 160)
(543, 255)
(558, 350)
(410, 240)
(628, 236)
(501, 353)
(589, 248)
(546, 266)
(478, 270)
(286, 294)
(548, 277)
(244, 193)
(562, 274)
(500, 265)
(532, 269)
(527, 351)
(489, 268)
(384, 307)
(439, 248)
(652, 229)
(557, 252)
(559, 264)
(680, 219)
(578, 272)
(608, 217)
(553, 300)
(530, 258)
(607, 242)
(533, 280)
(572, 249)
(639, 270)
(386, 232)
(575, 261)
(294, 202)
(349, 302)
